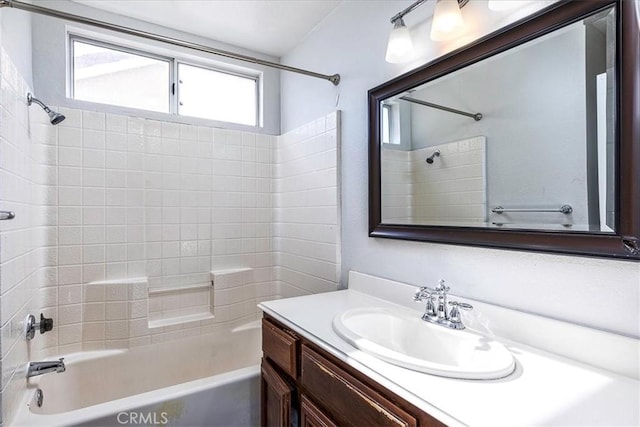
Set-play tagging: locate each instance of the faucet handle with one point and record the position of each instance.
(462, 305)
(30, 325)
(422, 293)
(454, 315)
(442, 288)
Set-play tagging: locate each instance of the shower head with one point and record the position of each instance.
(435, 154)
(54, 117)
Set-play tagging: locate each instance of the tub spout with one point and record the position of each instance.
(39, 368)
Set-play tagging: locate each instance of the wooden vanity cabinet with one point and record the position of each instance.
(277, 398)
(302, 385)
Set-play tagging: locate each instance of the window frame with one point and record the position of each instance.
(174, 79)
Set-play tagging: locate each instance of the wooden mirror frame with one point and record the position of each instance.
(625, 242)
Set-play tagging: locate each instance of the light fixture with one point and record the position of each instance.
(400, 46)
(447, 23)
(447, 20)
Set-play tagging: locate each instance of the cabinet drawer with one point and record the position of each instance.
(347, 400)
(280, 347)
(312, 416)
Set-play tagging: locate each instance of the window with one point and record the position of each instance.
(115, 75)
(215, 95)
(118, 77)
(390, 125)
(386, 124)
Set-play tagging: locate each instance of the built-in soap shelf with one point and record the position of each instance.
(176, 305)
(179, 304)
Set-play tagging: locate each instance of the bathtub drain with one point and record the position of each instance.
(39, 397)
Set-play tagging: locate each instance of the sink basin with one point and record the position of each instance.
(405, 340)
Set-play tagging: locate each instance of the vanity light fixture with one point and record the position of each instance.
(446, 23)
(447, 20)
(400, 46)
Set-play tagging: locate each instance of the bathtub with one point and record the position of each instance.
(210, 380)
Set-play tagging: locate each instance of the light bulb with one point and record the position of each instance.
(400, 46)
(447, 20)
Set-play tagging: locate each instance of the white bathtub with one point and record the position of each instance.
(199, 381)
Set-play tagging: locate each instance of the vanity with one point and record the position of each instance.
(301, 381)
(564, 374)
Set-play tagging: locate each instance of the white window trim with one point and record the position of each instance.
(174, 59)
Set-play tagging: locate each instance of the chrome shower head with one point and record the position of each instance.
(54, 117)
(435, 154)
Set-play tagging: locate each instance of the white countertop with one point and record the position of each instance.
(545, 389)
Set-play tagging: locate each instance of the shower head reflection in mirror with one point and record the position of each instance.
(435, 154)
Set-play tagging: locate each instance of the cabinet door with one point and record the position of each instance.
(276, 398)
(312, 416)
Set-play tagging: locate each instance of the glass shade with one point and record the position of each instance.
(447, 21)
(400, 46)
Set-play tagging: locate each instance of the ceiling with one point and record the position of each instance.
(272, 27)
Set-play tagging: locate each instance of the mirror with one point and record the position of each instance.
(518, 141)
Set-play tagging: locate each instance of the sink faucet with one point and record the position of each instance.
(39, 368)
(438, 313)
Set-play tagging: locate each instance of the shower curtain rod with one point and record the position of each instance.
(335, 78)
(476, 116)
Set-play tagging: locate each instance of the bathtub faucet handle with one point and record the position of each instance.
(45, 325)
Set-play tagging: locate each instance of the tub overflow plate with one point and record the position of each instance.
(39, 397)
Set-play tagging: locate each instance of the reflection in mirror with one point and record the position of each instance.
(524, 139)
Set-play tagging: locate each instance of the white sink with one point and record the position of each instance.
(405, 340)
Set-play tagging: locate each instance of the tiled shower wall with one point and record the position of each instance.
(28, 254)
(307, 208)
(452, 188)
(397, 184)
(143, 200)
(109, 208)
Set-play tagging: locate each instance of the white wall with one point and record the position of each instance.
(15, 34)
(351, 41)
(50, 63)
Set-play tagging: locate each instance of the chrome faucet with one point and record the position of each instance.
(438, 313)
(40, 368)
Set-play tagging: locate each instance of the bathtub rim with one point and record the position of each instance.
(25, 417)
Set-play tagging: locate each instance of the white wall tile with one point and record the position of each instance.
(69, 137)
(306, 199)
